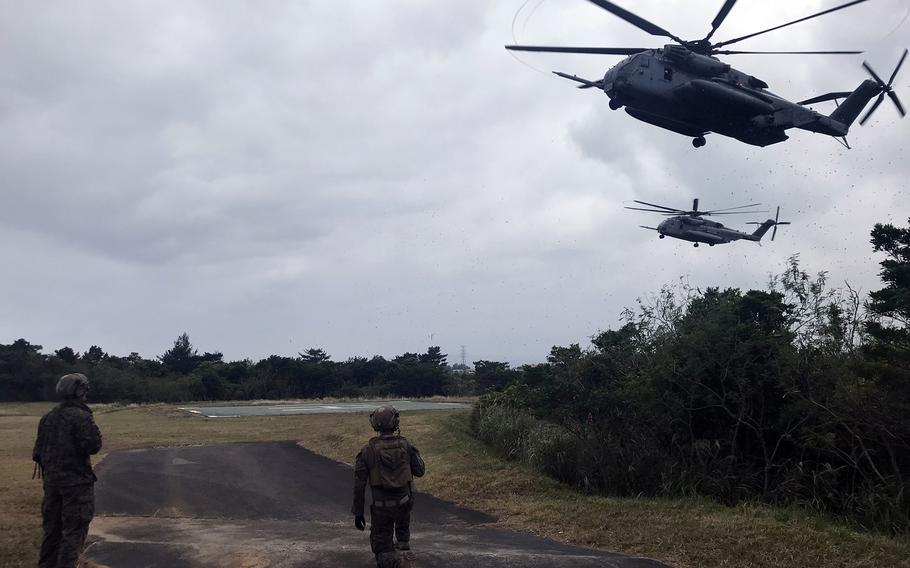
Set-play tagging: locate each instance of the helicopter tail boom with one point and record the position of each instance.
(847, 112)
(761, 230)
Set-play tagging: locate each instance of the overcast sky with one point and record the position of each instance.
(378, 177)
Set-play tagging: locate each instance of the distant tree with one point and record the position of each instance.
(434, 356)
(23, 373)
(67, 355)
(564, 356)
(314, 355)
(407, 358)
(94, 355)
(491, 375)
(182, 357)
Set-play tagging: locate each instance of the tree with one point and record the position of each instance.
(434, 356)
(314, 355)
(24, 374)
(67, 355)
(492, 375)
(889, 331)
(94, 355)
(182, 357)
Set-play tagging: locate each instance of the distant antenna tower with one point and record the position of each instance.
(464, 355)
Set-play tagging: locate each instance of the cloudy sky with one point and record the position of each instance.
(377, 177)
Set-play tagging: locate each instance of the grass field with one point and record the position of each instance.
(683, 533)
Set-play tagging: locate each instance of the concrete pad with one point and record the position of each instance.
(279, 505)
(317, 408)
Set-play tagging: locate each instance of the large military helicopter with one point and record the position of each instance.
(685, 89)
(689, 225)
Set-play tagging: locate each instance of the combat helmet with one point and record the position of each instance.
(68, 385)
(385, 419)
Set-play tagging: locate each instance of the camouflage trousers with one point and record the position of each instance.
(66, 513)
(384, 523)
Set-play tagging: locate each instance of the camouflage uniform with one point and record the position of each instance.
(67, 436)
(390, 512)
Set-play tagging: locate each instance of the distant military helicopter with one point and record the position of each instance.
(689, 225)
(684, 89)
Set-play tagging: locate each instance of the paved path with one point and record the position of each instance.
(316, 408)
(278, 505)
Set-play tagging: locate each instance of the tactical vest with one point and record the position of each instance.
(389, 462)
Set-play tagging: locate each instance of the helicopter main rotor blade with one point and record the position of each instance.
(590, 50)
(732, 208)
(720, 17)
(731, 52)
(822, 13)
(896, 69)
(712, 213)
(900, 108)
(635, 20)
(656, 211)
(878, 101)
(826, 97)
(658, 206)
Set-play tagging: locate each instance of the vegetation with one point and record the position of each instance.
(790, 395)
(182, 374)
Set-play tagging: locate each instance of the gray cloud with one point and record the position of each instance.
(270, 178)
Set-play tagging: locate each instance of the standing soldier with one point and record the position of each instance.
(388, 462)
(67, 436)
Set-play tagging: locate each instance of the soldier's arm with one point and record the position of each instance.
(88, 435)
(361, 475)
(39, 442)
(418, 468)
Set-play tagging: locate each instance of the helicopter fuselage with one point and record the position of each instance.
(693, 94)
(698, 230)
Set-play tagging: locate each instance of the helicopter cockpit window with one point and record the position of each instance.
(668, 73)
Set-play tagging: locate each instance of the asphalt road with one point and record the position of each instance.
(316, 408)
(278, 505)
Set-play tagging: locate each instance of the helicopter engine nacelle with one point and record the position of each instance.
(702, 65)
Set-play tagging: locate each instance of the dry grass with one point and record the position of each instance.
(683, 533)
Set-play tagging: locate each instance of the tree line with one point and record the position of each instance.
(182, 374)
(797, 393)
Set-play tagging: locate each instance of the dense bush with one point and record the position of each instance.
(789, 395)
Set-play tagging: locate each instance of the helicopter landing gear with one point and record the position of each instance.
(699, 142)
(660, 236)
(695, 245)
(615, 104)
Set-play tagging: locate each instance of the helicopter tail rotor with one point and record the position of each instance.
(776, 223)
(885, 89)
(769, 224)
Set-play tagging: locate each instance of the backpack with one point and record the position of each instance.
(389, 461)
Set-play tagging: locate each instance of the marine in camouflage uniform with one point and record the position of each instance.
(387, 462)
(67, 436)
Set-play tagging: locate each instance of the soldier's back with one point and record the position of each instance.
(67, 437)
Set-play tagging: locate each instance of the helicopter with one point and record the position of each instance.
(689, 225)
(684, 88)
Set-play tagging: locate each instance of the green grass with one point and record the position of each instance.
(686, 533)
